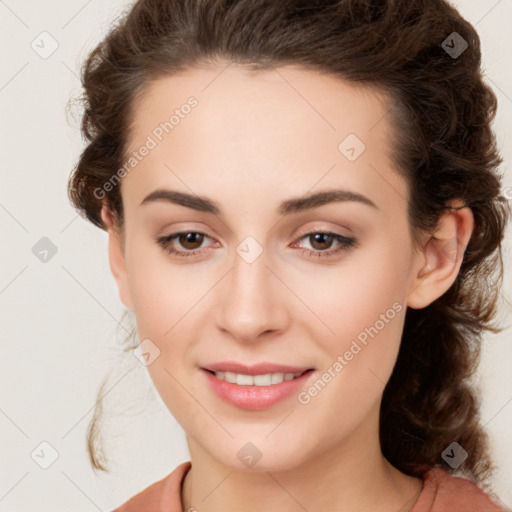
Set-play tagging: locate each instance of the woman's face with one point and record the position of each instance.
(266, 283)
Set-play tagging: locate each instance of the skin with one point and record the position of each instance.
(254, 140)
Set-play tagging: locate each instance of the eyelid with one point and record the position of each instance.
(304, 230)
(308, 229)
(345, 243)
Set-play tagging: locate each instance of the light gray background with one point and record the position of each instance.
(60, 319)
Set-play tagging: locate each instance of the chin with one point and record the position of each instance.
(258, 457)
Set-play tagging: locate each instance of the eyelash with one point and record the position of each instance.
(346, 244)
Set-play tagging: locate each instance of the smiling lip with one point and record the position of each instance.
(255, 369)
(254, 397)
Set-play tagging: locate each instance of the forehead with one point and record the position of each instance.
(286, 128)
(234, 99)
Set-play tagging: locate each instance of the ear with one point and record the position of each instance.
(438, 262)
(116, 256)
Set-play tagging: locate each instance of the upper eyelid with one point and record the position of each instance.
(296, 232)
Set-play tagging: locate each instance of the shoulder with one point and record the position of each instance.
(161, 496)
(444, 492)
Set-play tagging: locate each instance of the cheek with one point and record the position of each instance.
(163, 306)
(360, 359)
(364, 308)
(358, 294)
(161, 291)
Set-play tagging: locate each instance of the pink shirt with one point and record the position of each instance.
(441, 492)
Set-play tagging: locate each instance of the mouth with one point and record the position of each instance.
(257, 392)
(266, 379)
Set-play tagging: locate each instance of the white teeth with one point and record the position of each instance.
(275, 378)
(230, 377)
(256, 380)
(244, 380)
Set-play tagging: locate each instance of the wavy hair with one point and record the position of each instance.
(443, 145)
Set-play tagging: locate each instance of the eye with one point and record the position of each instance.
(191, 241)
(321, 239)
(187, 239)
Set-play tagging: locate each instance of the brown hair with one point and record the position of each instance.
(444, 148)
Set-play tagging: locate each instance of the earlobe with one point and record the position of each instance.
(441, 257)
(116, 257)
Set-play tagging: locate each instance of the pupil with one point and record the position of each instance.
(324, 236)
(189, 238)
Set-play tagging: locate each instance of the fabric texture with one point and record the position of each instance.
(441, 492)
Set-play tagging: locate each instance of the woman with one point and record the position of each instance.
(303, 209)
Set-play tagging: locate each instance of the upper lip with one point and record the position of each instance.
(255, 369)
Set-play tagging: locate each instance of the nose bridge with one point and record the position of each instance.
(250, 265)
(249, 303)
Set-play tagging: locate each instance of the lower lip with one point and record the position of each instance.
(255, 398)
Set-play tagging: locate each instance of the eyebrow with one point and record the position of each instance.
(294, 205)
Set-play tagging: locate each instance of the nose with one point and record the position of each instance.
(252, 301)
